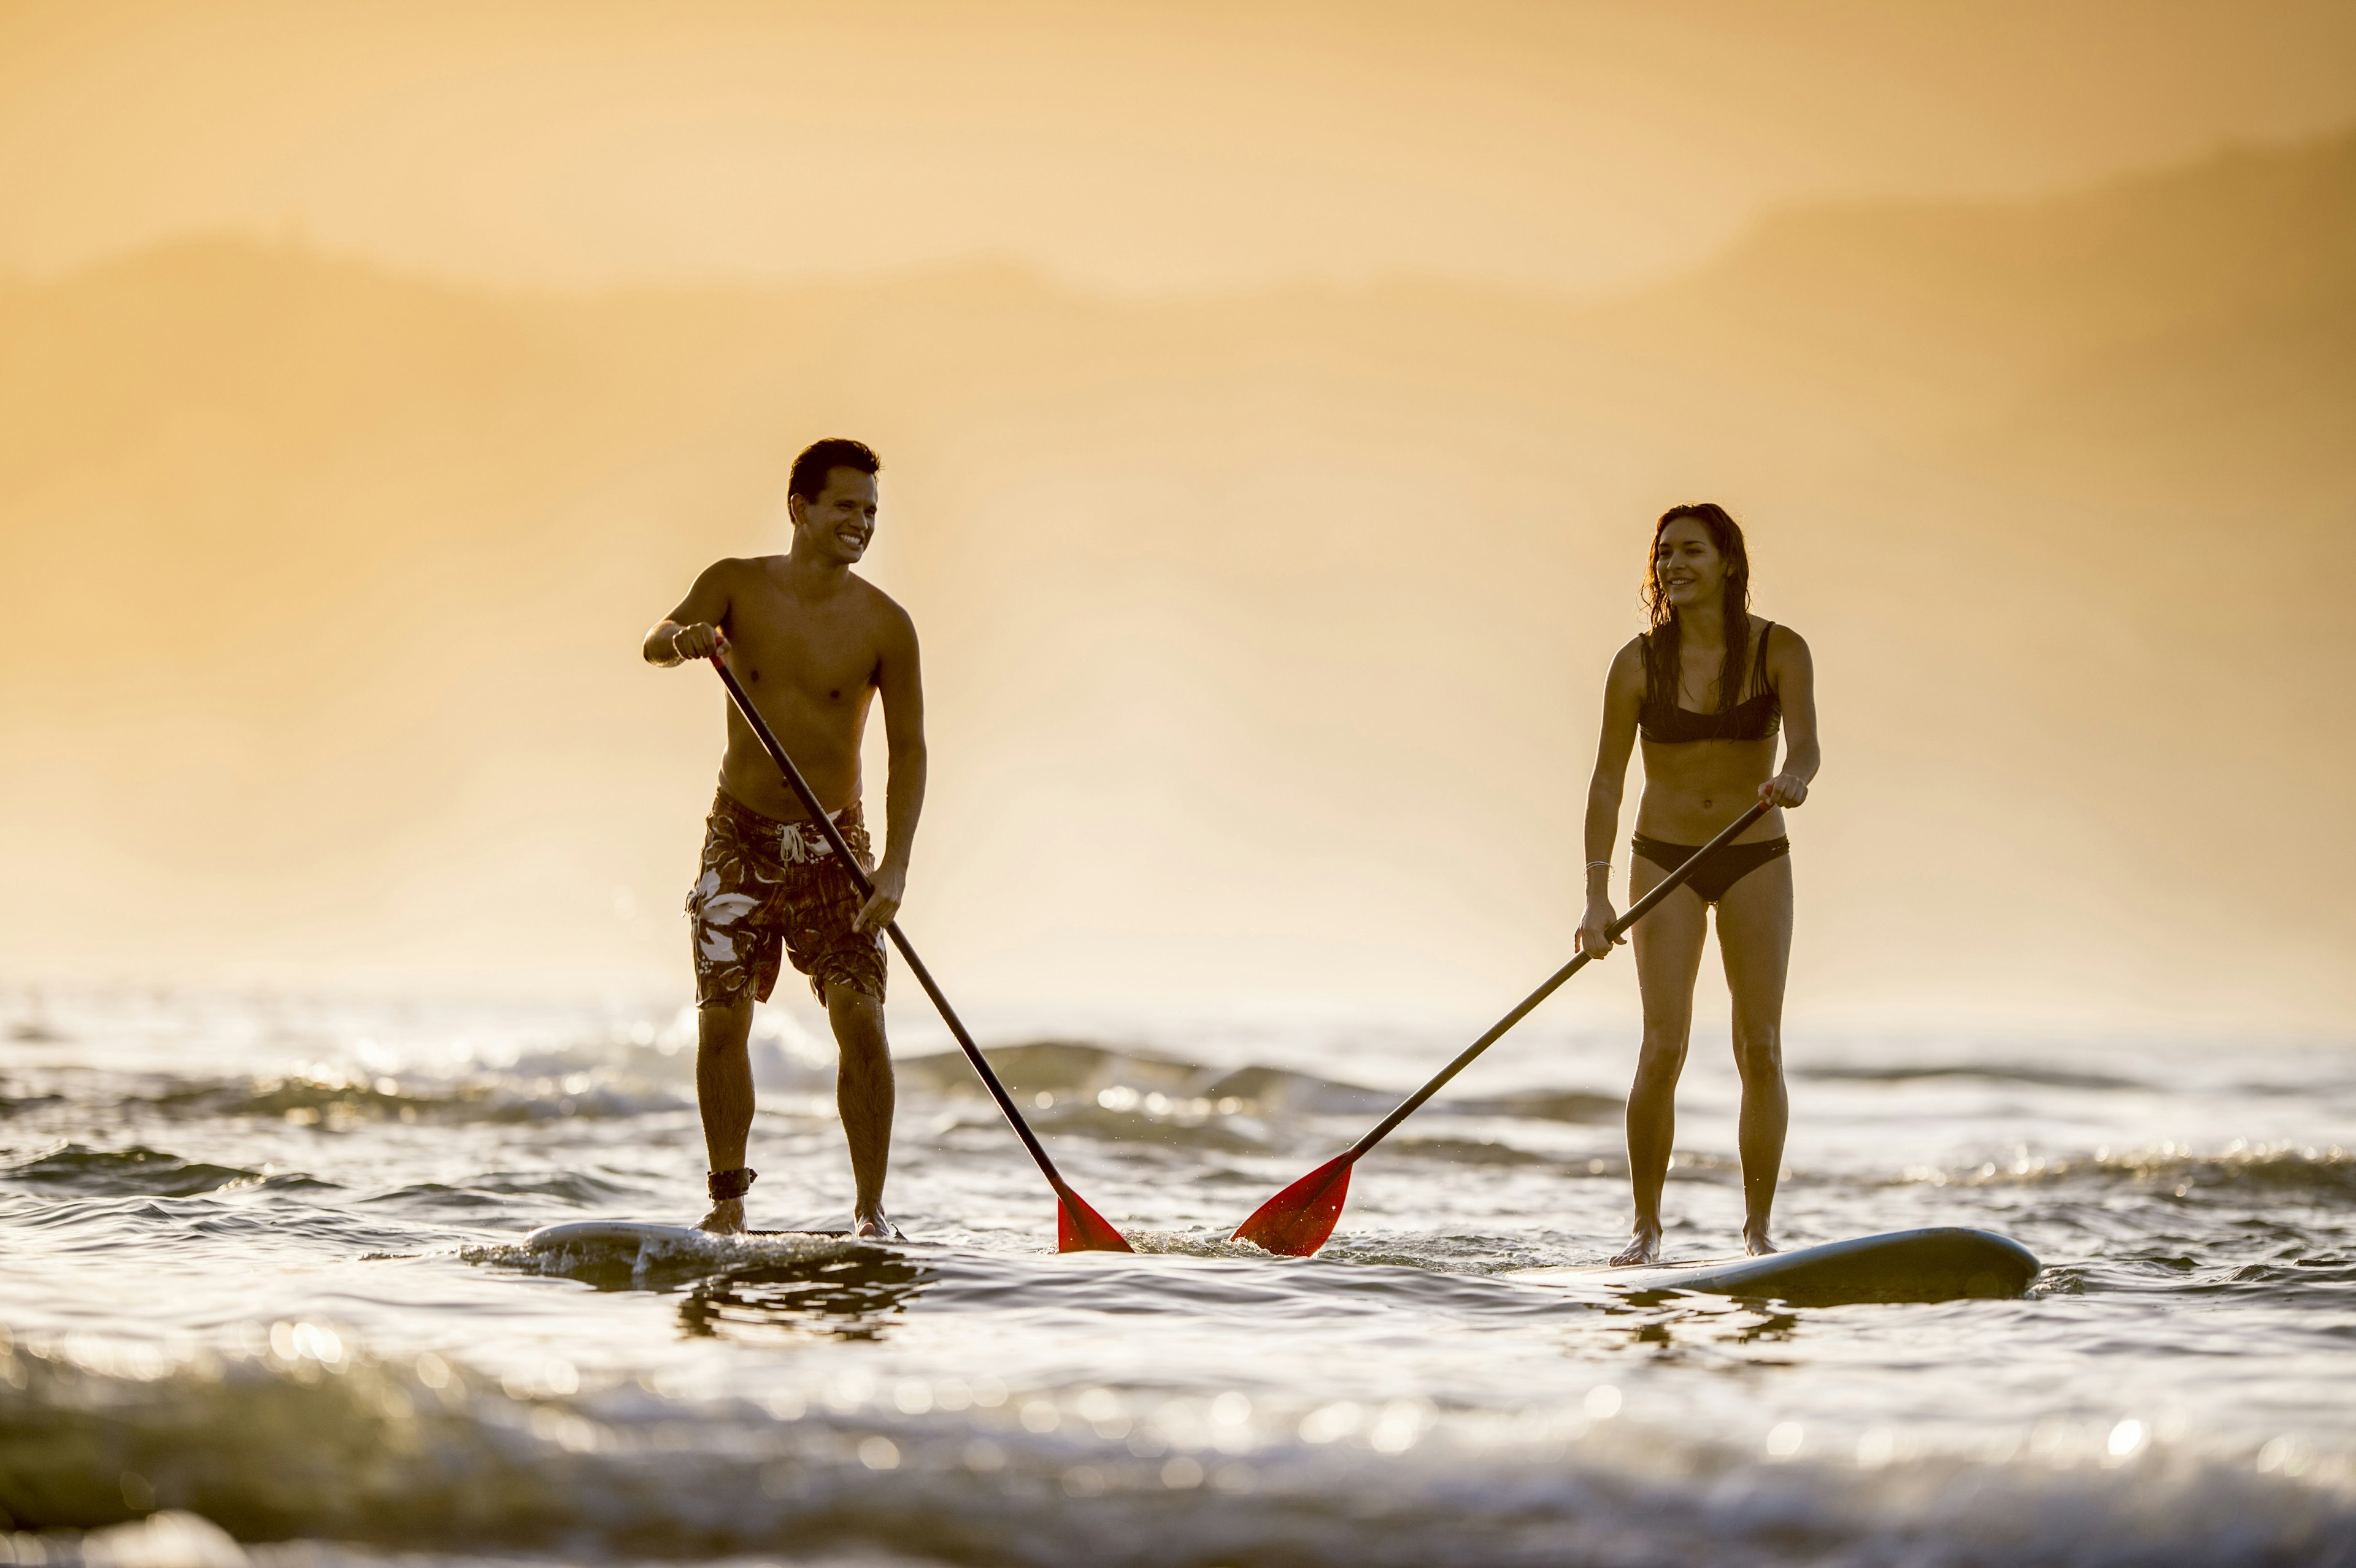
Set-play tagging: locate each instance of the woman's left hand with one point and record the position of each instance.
(1784, 789)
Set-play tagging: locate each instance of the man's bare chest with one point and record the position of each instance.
(826, 656)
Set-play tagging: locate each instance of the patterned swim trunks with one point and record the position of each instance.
(767, 885)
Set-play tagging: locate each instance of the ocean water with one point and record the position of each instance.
(262, 1300)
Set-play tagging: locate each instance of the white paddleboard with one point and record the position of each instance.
(1948, 1263)
(638, 1232)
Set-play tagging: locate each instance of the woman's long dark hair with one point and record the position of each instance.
(1662, 640)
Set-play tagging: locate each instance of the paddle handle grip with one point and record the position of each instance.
(834, 839)
(1636, 911)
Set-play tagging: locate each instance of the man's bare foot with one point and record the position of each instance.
(727, 1216)
(1645, 1249)
(874, 1228)
(1755, 1241)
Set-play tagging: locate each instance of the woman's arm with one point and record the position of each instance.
(1623, 698)
(1794, 674)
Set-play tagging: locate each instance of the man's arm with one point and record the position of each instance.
(696, 630)
(900, 683)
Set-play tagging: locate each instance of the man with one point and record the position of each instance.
(810, 642)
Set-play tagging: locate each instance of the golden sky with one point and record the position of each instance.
(1123, 146)
(1266, 605)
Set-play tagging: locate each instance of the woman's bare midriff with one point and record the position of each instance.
(1693, 788)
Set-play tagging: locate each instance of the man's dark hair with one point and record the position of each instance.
(820, 458)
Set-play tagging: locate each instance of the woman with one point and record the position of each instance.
(1707, 688)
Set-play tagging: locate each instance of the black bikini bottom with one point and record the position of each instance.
(1725, 868)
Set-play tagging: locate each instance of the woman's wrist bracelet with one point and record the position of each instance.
(1605, 864)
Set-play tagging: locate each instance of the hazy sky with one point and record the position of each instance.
(1130, 146)
(1162, 550)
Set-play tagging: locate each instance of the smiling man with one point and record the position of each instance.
(811, 643)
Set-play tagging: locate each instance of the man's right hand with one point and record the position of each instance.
(701, 641)
(1593, 928)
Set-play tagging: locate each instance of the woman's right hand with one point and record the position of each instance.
(1594, 927)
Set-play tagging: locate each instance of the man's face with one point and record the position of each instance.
(840, 520)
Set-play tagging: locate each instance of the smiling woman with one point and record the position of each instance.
(1705, 762)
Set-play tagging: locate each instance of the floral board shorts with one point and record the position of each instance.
(769, 889)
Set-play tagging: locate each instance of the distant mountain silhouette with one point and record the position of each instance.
(324, 584)
(2110, 309)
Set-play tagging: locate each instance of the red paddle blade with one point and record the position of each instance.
(1080, 1229)
(1297, 1220)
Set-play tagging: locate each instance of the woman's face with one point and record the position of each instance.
(1688, 565)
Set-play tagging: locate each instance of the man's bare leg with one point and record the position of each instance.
(1668, 957)
(862, 1096)
(1754, 938)
(723, 1092)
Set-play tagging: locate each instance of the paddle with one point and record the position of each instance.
(1079, 1228)
(1298, 1220)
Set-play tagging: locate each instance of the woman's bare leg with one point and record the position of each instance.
(1668, 957)
(1754, 938)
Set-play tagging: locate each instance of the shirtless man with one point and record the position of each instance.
(811, 643)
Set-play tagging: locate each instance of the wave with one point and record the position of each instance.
(1475, 1151)
(496, 1191)
(594, 1079)
(1182, 1126)
(1058, 1072)
(2297, 1275)
(2271, 1170)
(1121, 1116)
(316, 1440)
(1060, 1067)
(1542, 1104)
(139, 1170)
(1148, 1097)
(338, 1103)
(2043, 1077)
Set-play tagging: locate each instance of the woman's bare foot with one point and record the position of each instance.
(875, 1228)
(1755, 1243)
(1645, 1249)
(727, 1216)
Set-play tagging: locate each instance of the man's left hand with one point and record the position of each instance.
(891, 883)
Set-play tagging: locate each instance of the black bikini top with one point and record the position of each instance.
(1755, 717)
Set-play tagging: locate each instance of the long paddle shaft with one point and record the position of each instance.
(1079, 1228)
(1299, 1218)
(1618, 928)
